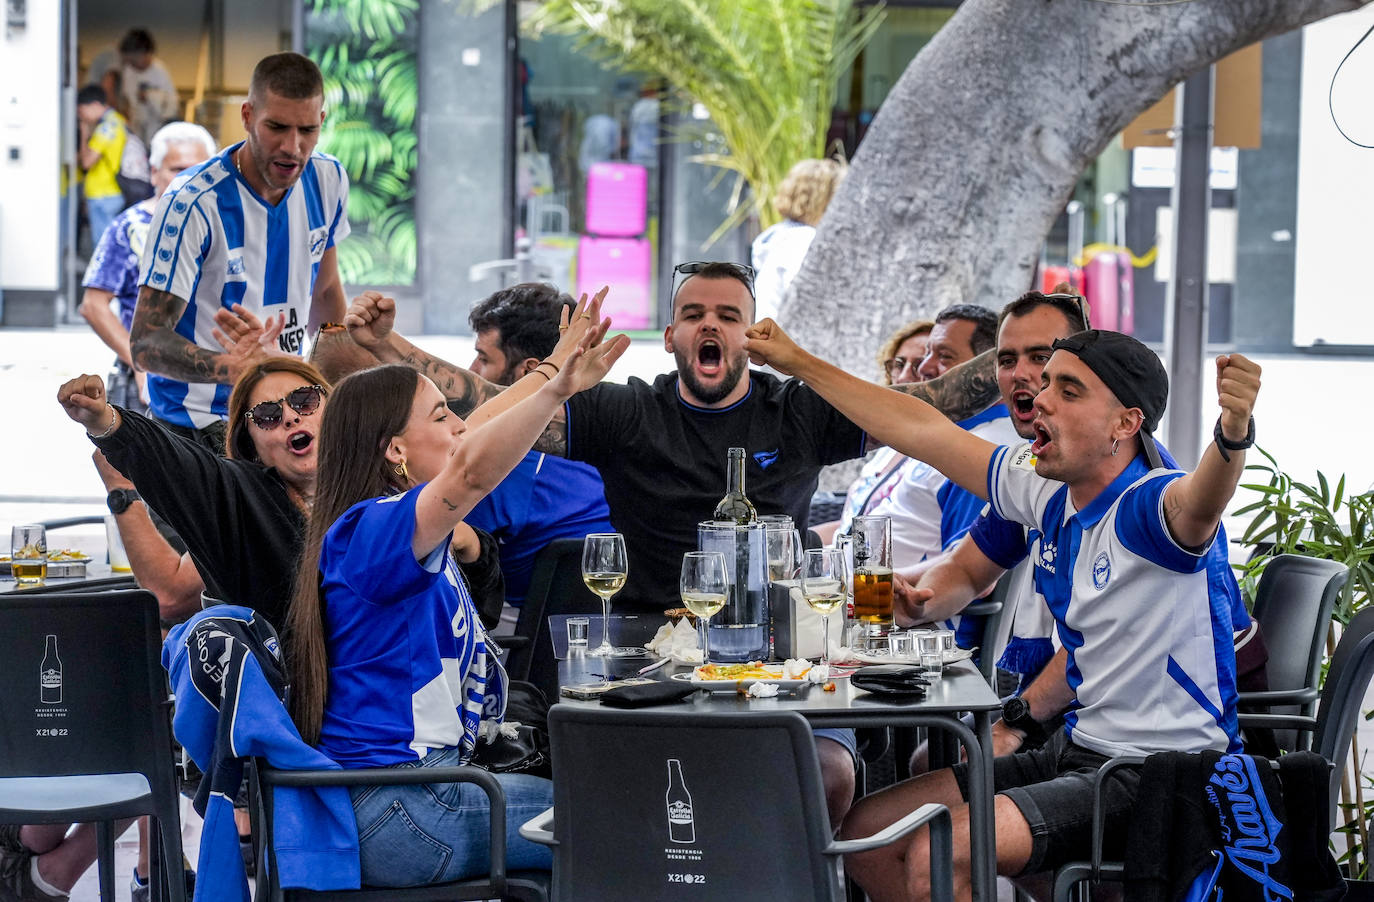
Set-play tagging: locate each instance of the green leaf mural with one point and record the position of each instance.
(366, 50)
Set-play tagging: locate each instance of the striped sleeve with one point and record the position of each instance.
(178, 239)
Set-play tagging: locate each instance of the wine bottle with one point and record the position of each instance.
(734, 507)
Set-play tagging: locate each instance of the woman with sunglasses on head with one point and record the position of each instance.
(389, 664)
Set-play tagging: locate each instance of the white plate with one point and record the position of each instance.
(951, 657)
(736, 685)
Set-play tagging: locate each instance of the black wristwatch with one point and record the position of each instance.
(1224, 444)
(118, 500)
(1016, 712)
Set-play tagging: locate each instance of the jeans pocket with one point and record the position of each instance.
(395, 851)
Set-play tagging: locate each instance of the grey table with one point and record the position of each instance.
(99, 578)
(963, 689)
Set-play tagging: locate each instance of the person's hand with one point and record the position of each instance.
(910, 598)
(466, 546)
(83, 398)
(575, 323)
(1005, 739)
(1238, 383)
(768, 344)
(112, 478)
(370, 319)
(245, 338)
(590, 361)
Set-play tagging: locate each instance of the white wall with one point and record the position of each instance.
(1333, 294)
(30, 104)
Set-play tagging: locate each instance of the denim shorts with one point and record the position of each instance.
(431, 833)
(843, 735)
(1053, 788)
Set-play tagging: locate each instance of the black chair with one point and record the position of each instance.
(1332, 729)
(86, 722)
(678, 805)
(525, 886)
(556, 587)
(1293, 605)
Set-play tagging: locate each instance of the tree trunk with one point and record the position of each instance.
(979, 145)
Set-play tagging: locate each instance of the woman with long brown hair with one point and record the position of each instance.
(389, 663)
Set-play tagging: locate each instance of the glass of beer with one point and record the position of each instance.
(703, 586)
(29, 554)
(872, 579)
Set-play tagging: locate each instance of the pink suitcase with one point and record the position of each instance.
(1072, 272)
(625, 264)
(1101, 285)
(1125, 293)
(617, 199)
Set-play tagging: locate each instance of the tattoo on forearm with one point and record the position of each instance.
(449, 504)
(466, 391)
(157, 348)
(963, 391)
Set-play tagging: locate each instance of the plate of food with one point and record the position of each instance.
(951, 657)
(737, 677)
(68, 556)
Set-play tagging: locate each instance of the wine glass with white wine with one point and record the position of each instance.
(822, 584)
(703, 587)
(604, 569)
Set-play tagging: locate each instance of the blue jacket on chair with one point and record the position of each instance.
(226, 673)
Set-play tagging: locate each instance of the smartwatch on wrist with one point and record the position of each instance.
(118, 500)
(1016, 713)
(1225, 445)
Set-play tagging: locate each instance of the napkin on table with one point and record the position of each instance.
(678, 642)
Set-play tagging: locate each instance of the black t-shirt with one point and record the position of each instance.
(663, 462)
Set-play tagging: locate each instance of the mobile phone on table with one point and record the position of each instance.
(592, 690)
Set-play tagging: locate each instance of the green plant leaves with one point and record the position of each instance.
(366, 51)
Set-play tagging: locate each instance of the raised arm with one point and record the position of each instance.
(1193, 504)
(486, 455)
(902, 421)
(965, 390)
(328, 303)
(158, 348)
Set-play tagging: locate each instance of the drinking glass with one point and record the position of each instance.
(29, 554)
(928, 646)
(604, 569)
(783, 546)
(822, 583)
(703, 586)
(873, 574)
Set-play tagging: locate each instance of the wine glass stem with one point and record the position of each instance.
(704, 628)
(825, 638)
(605, 622)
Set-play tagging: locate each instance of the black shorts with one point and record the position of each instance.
(1053, 788)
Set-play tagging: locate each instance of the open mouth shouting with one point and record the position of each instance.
(710, 357)
(1023, 405)
(284, 169)
(300, 442)
(1042, 439)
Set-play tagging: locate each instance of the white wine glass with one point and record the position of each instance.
(604, 569)
(823, 584)
(703, 586)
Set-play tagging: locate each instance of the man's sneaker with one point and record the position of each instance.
(16, 878)
(142, 892)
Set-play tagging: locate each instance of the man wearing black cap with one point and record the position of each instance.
(1121, 564)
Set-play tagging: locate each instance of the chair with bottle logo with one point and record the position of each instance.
(87, 731)
(668, 805)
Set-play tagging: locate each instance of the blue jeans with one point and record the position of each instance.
(430, 833)
(101, 211)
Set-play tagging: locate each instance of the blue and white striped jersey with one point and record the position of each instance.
(1151, 659)
(215, 243)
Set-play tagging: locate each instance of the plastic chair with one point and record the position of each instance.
(1293, 605)
(656, 805)
(527, 886)
(87, 729)
(556, 587)
(1347, 680)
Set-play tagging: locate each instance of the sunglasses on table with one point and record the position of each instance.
(741, 271)
(267, 415)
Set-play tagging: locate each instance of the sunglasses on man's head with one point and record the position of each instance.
(741, 271)
(267, 415)
(1061, 300)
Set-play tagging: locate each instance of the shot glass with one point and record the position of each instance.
(946, 640)
(577, 632)
(901, 644)
(932, 656)
(29, 554)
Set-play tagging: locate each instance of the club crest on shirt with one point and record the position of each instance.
(1045, 559)
(1102, 570)
(234, 267)
(1023, 459)
(765, 459)
(318, 239)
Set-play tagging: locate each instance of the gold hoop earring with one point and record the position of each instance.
(400, 469)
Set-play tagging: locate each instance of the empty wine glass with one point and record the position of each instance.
(823, 585)
(703, 587)
(604, 569)
(783, 546)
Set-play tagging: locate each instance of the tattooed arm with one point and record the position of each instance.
(965, 390)
(157, 348)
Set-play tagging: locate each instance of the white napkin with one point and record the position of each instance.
(762, 690)
(678, 642)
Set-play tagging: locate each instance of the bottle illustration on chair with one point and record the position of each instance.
(681, 826)
(50, 674)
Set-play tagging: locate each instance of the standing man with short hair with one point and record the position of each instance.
(113, 271)
(256, 225)
(103, 133)
(146, 84)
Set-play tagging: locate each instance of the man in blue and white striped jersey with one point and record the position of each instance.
(255, 225)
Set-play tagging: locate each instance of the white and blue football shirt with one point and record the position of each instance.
(1151, 660)
(215, 243)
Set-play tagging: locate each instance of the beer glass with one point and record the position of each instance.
(29, 554)
(872, 579)
(604, 569)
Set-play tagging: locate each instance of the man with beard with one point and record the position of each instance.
(255, 225)
(661, 447)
